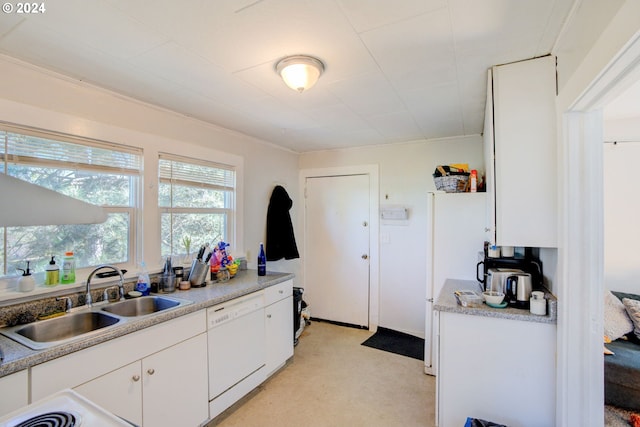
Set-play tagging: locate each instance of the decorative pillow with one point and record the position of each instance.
(616, 320)
(633, 308)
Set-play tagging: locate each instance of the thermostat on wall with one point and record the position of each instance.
(394, 213)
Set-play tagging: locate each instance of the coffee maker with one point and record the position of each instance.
(526, 261)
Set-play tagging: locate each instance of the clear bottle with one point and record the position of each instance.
(52, 273)
(68, 268)
(262, 261)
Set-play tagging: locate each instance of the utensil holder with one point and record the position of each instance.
(198, 274)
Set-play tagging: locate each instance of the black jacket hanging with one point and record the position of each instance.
(281, 243)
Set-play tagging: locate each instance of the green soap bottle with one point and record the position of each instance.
(68, 268)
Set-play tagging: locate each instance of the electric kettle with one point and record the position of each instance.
(517, 289)
(496, 278)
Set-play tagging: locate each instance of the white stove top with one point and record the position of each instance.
(64, 409)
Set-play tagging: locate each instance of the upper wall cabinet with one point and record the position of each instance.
(521, 152)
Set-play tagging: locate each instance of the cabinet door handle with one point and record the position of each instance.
(151, 371)
(268, 316)
(281, 291)
(135, 378)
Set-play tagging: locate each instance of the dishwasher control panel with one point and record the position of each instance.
(227, 311)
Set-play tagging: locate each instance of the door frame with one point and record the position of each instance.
(374, 225)
(580, 377)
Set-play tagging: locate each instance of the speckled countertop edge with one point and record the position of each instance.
(18, 357)
(446, 301)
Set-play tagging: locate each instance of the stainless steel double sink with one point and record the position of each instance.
(85, 323)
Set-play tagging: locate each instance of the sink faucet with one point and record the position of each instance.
(100, 267)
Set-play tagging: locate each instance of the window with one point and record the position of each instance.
(197, 201)
(93, 171)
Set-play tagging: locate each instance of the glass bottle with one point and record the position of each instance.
(262, 262)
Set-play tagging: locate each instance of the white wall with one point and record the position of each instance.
(405, 176)
(621, 221)
(34, 97)
(623, 129)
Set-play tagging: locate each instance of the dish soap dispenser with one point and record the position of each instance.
(52, 276)
(68, 268)
(26, 283)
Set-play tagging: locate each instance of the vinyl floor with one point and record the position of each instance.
(333, 380)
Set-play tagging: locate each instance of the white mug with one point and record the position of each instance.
(494, 251)
(507, 251)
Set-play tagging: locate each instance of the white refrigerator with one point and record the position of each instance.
(456, 235)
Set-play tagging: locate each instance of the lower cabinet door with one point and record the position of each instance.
(279, 333)
(175, 385)
(14, 389)
(119, 392)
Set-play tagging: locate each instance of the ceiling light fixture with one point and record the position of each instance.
(300, 72)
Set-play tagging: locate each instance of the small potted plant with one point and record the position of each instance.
(186, 242)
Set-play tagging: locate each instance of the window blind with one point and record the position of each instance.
(39, 148)
(182, 171)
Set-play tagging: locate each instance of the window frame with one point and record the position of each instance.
(230, 187)
(134, 170)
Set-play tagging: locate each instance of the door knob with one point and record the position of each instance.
(365, 256)
(151, 371)
(135, 378)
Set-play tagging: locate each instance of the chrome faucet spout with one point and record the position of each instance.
(95, 270)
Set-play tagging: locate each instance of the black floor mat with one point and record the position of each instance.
(397, 342)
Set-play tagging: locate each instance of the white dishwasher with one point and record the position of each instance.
(236, 347)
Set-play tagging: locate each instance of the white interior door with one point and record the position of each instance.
(337, 248)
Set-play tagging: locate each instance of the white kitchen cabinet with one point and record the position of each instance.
(499, 370)
(119, 392)
(521, 152)
(177, 390)
(159, 390)
(278, 325)
(175, 385)
(14, 389)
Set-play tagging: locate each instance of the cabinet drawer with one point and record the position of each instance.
(277, 292)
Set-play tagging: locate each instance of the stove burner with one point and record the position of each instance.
(50, 419)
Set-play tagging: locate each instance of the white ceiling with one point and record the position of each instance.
(396, 70)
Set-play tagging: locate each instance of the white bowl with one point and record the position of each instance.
(493, 297)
